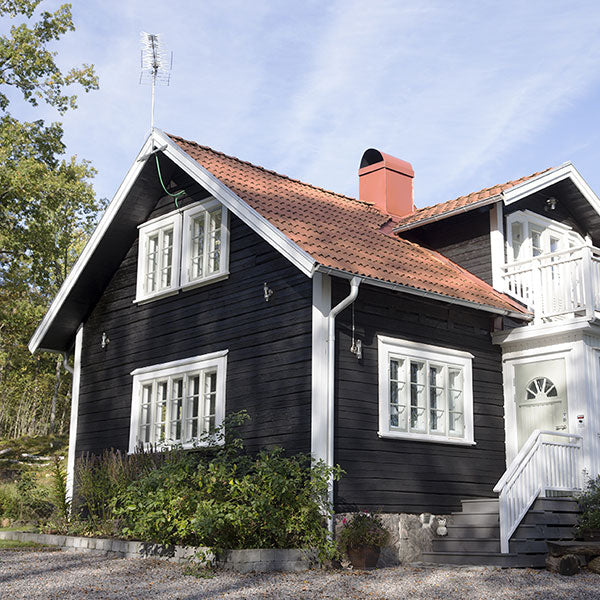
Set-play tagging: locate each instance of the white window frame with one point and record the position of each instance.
(566, 235)
(189, 214)
(181, 221)
(146, 231)
(390, 348)
(155, 374)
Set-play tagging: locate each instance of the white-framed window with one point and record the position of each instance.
(530, 235)
(186, 248)
(176, 403)
(425, 392)
(205, 253)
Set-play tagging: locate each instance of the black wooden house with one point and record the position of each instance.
(365, 331)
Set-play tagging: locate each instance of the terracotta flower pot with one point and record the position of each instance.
(364, 557)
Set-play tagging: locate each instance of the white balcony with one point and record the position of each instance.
(558, 285)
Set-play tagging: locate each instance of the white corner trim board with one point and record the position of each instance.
(321, 307)
(74, 413)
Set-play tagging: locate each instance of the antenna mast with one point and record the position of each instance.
(155, 64)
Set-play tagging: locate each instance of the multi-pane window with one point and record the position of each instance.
(531, 235)
(204, 243)
(178, 403)
(187, 247)
(425, 392)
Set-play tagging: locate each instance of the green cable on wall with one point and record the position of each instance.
(176, 195)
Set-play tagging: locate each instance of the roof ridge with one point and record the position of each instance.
(485, 189)
(246, 162)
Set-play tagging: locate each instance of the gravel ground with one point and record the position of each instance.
(66, 576)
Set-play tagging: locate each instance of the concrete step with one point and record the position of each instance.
(470, 531)
(541, 517)
(475, 520)
(480, 505)
(543, 532)
(447, 544)
(528, 546)
(484, 559)
(556, 504)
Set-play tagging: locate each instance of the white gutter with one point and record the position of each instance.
(354, 284)
(398, 287)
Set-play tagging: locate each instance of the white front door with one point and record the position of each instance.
(541, 398)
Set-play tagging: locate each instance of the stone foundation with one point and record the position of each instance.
(410, 535)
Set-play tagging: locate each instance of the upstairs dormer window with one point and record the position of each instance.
(531, 235)
(183, 249)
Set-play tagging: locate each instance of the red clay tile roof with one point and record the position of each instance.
(460, 204)
(343, 233)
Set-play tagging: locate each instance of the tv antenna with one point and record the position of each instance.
(155, 63)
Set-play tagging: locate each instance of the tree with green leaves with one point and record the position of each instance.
(47, 211)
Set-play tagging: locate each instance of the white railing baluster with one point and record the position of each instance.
(558, 284)
(549, 460)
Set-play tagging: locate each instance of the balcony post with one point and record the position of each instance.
(587, 274)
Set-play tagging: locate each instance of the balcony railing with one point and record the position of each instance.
(558, 285)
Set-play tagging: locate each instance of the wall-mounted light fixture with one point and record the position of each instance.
(267, 292)
(550, 204)
(105, 341)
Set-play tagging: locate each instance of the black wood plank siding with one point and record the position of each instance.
(411, 476)
(269, 343)
(464, 239)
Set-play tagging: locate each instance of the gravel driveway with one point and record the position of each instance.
(66, 576)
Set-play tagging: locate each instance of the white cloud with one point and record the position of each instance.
(472, 93)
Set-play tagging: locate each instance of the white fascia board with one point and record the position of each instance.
(237, 206)
(566, 171)
(91, 246)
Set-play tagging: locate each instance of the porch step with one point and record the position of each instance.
(480, 505)
(474, 535)
(485, 559)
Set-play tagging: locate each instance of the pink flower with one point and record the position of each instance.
(344, 521)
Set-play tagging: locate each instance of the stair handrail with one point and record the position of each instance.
(523, 458)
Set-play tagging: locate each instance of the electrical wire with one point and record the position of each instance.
(176, 195)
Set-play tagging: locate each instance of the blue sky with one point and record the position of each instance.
(472, 93)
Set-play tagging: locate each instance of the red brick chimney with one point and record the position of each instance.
(386, 182)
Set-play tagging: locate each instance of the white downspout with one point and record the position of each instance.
(354, 284)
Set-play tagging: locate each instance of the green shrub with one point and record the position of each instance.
(589, 504)
(24, 500)
(58, 492)
(224, 498)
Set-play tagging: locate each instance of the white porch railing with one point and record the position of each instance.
(549, 461)
(557, 285)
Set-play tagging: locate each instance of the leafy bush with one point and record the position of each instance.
(589, 503)
(223, 498)
(24, 500)
(363, 529)
(58, 492)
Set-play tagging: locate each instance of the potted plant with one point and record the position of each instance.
(588, 525)
(362, 538)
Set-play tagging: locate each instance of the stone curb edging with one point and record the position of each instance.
(242, 561)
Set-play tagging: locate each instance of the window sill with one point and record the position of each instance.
(424, 437)
(190, 285)
(166, 447)
(157, 296)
